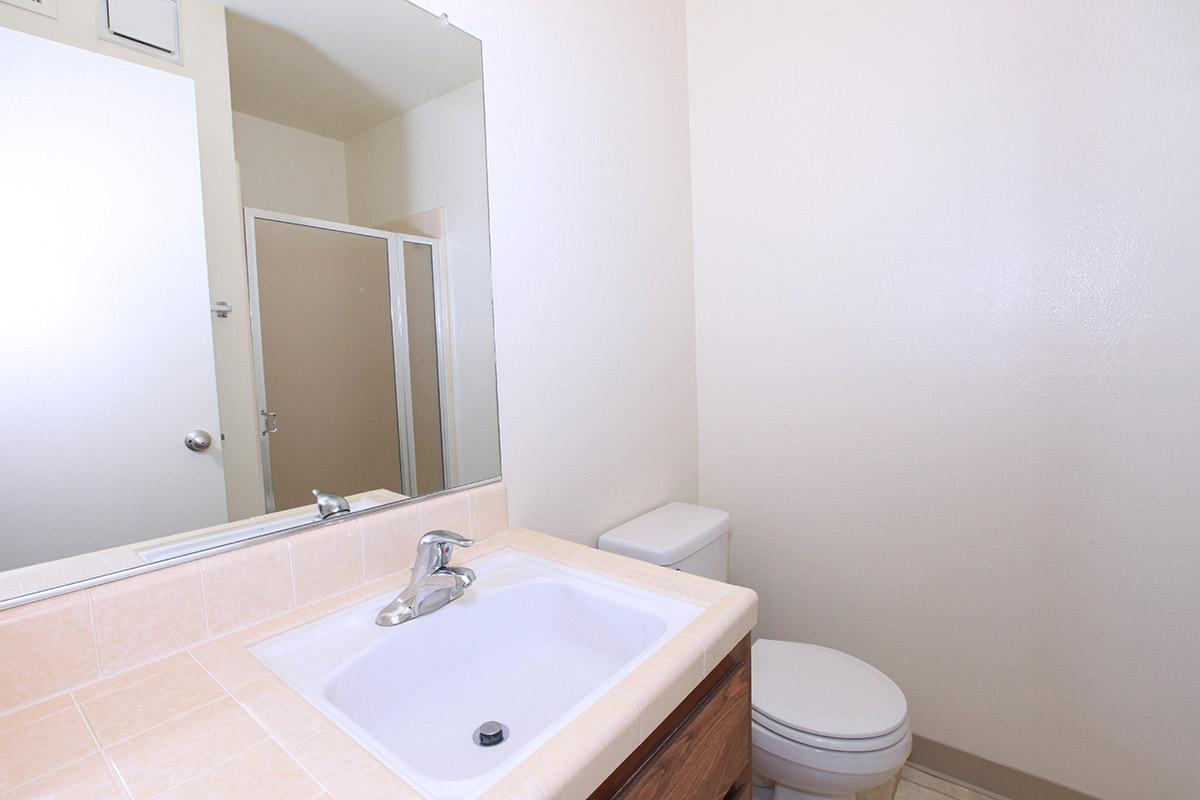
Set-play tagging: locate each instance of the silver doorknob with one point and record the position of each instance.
(198, 441)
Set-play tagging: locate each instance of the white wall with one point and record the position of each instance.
(289, 170)
(591, 251)
(434, 157)
(947, 287)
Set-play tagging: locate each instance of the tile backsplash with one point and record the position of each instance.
(56, 645)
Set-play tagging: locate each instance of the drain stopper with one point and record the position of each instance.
(490, 733)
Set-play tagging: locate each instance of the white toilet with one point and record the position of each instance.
(824, 724)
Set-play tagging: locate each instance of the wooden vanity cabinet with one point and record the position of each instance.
(702, 750)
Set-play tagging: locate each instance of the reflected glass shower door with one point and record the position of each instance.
(326, 359)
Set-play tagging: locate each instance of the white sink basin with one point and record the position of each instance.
(531, 644)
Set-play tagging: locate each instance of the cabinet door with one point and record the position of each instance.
(708, 756)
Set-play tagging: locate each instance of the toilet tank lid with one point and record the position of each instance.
(668, 534)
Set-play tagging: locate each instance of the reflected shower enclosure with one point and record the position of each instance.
(348, 358)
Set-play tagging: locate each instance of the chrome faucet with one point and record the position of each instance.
(434, 582)
(330, 505)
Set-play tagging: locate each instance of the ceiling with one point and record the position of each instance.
(337, 69)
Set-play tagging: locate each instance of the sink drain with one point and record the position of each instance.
(490, 734)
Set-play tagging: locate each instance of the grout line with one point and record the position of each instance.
(219, 682)
(95, 636)
(33, 720)
(471, 514)
(292, 575)
(132, 683)
(362, 553)
(169, 720)
(139, 665)
(204, 599)
(210, 769)
(109, 764)
(321, 788)
(70, 763)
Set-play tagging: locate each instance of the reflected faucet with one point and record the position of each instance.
(434, 582)
(330, 505)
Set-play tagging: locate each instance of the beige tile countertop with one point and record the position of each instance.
(214, 722)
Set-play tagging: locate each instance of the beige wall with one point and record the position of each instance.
(206, 62)
(289, 170)
(947, 332)
(591, 249)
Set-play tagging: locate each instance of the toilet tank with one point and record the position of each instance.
(681, 536)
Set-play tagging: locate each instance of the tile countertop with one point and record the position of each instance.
(213, 721)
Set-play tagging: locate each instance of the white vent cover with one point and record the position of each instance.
(150, 25)
(47, 7)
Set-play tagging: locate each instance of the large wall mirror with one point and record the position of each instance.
(245, 253)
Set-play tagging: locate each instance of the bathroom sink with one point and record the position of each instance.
(531, 645)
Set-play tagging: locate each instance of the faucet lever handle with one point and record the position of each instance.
(329, 504)
(434, 549)
(446, 537)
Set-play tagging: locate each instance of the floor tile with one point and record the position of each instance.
(885, 791)
(907, 790)
(948, 788)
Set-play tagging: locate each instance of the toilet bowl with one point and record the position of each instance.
(824, 725)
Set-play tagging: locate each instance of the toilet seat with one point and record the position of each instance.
(827, 772)
(841, 745)
(824, 698)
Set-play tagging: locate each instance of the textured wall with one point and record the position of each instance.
(947, 292)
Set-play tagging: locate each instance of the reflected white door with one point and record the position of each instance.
(106, 350)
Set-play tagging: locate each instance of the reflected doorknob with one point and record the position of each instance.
(198, 441)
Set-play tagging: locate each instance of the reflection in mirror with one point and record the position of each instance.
(236, 280)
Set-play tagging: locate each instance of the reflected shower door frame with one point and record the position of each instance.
(400, 346)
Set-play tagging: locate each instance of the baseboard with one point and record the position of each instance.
(988, 775)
